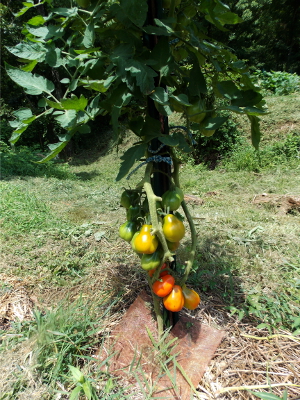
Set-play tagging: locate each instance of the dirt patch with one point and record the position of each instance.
(282, 204)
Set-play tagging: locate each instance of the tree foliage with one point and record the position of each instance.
(111, 57)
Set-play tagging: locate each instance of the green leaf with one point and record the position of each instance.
(229, 90)
(74, 103)
(197, 84)
(144, 75)
(27, 5)
(66, 12)
(74, 395)
(54, 58)
(86, 386)
(265, 395)
(213, 123)
(66, 119)
(160, 96)
(77, 374)
(247, 98)
(29, 66)
(55, 149)
(254, 111)
(132, 155)
(36, 21)
(135, 10)
(182, 99)
(84, 129)
(161, 54)
(151, 129)
(29, 51)
(54, 104)
(255, 131)
(163, 109)
(89, 35)
(32, 83)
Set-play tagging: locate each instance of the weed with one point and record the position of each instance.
(278, 82)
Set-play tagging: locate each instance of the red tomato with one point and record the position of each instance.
(191, 298)
(162, 273)
(164, 286)
(174, 301)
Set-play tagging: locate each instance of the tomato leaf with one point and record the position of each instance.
(130, 157)
(255, 131)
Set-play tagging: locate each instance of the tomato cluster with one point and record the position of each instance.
(138, 231)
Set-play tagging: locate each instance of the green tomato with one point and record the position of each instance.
(195, 113)
(151, 261)
(207, 132)
(172, 199)
(132, 213)
(129, 198)
(127, 230)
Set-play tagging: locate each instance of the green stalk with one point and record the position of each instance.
(156, 224)
(189, 218)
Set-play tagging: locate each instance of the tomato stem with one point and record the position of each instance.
(189, 218)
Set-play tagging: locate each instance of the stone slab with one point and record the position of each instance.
(133, 351)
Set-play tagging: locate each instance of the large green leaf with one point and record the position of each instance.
(66, 119)
(255, 131)
(132, 155)
(197, 84)
(144, 75)
(74, 103)
(135, 10)
(229, 90)
(55, 149)
(29, 51)
(247, 98)
(161, 54)
(89, 35)
(213, 123)
(32, 83)
(160, 96)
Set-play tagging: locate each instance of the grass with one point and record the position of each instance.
(60, 240)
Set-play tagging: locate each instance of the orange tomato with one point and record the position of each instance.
(191, 298)
(175, 300)
(164, 286)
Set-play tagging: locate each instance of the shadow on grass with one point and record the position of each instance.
(23, 162)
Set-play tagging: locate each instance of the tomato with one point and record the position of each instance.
(172, 199)
(162, 273)
(175, 300)
(207, 133)
(128, 198)
(173, 228)
(144, 242)
(132, 213)
(127, 230)
(151, 261)
(173, 246)
(191, 298)
(164, 286)
(195, 113)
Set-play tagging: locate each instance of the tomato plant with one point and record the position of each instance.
(144, 242)
(191, 298)
(127, 230)
(163, 286)
(129, 198)
(173, 228)
(174, 301)
(132, 213)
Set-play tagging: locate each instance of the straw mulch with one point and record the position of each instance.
(247, 357)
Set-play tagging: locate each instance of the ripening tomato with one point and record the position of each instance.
(144, 242)
(175, 300)
(173, 246)
(162, 273)
(151, 261)
(191, 298)
(127, 230)
(172, 199)
(164, 286)
(173, 228)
